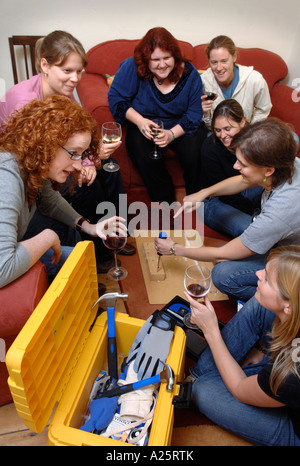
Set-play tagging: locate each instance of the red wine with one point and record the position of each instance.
(115, 242)
(196, 290)
(210, 95)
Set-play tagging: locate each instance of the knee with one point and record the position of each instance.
(219, 272)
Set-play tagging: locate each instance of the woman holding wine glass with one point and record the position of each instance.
(265, 156)
(227, 80)
(247, 380)
(60, 60)
(197, 282)
(158, 83)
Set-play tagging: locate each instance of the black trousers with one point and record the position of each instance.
(106, 187)
(154, 173)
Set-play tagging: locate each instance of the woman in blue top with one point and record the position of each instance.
(158, 83)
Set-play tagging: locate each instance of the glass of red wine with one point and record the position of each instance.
(116, 241)
(197, 282)
(155, 130)
(210, 95)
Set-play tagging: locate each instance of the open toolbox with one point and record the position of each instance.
(57, 356)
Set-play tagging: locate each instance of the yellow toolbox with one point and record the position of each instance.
(57, 356)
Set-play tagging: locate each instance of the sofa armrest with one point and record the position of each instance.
(285, 106)
(19, 299)
(92, 91)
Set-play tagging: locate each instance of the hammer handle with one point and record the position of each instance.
(112, 355)
(121, 390)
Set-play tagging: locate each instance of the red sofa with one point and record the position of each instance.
(17, 302)
(105, 58)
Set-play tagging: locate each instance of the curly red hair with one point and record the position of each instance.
(35, 132)
(157, 37)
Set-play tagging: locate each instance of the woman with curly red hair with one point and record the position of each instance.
(41, 146)
(159, 83)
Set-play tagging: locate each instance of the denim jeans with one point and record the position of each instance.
(261, 426)
(229, 219)
(238, 278)
(52, 269)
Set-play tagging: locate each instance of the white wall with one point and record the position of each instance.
(259, 23)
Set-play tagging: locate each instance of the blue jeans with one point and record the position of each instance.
(228, 218)
(238, 278)
(261, 426)
(51, 269)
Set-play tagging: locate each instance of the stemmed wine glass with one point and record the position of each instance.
(111, 132)
(155, 130)
(116, 241)
(197, 282)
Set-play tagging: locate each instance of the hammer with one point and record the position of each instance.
(112, 357)
(166, 375)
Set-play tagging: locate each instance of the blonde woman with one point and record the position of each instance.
(252, 393)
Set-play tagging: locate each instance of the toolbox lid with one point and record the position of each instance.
(42, 357)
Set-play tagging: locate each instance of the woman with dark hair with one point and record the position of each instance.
(226, 214)
(42, 146)
(228, 80)
(266, 157)
(248, 378)
(158, 83)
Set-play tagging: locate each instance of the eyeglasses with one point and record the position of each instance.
(74, 156)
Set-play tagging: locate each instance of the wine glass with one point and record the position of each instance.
(116, 241)
(197, 282)
(111, 132)
(154, 131)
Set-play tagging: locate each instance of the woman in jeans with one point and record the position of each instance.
(252, 393)
(266, 157)
(230, 215)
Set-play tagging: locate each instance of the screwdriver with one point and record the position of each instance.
(162, 235)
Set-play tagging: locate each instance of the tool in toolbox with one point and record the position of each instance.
(110, 299)
(166, 375)
(103, 410)
(162, 235)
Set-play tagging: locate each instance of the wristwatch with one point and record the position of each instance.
(78, 225)
(172, 248)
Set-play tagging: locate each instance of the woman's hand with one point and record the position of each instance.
(87, 175)
(112, 226)
(206, 106)
(190, 203)
(203, 315)
(163, 245)
(164, 138)
(106, 150)
(145, 125)
(56, 247)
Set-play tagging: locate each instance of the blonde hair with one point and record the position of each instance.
(56, 48)
(287, 261)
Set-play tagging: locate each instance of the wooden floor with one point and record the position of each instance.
(13, 431)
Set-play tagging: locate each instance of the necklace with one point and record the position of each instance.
(159, 81)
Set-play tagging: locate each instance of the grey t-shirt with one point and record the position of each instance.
(279, 220)
(15, 216)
